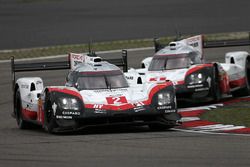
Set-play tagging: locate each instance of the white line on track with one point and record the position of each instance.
(188, 119)
(211, 133)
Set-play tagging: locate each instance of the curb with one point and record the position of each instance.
(191, 120)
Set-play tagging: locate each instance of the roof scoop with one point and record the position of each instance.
(174, 45)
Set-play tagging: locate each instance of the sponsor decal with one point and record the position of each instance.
(139, 106)
(71, 113)
(98, 106)
(110, 90)
(98, 111)
(129, 77)
(117, 100)
(54, 107)
(63, 117)
(25, 86)
(169, 111)
(195, 86)
(163, 107)
(201, 89)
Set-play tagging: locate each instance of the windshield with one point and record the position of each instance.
(169, 62)
(101, 81)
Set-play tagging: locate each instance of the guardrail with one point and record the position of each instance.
(226, 43)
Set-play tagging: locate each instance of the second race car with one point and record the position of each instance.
(96, 93)
(182, 62)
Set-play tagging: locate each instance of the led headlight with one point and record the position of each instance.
(69, 103)
(164, 98)
(196, 78)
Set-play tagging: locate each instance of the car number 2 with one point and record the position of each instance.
(117, 100)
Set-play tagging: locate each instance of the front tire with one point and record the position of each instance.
(49, 117)
(215, 90)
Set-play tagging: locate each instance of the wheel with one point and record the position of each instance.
(246, 90)
(21, 123)
(49, 117)
(215, 91)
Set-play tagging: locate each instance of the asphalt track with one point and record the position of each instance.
(114, 146)
(30, 23)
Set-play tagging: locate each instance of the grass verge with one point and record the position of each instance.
(104, 46)
(235, 114)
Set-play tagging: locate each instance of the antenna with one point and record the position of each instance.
(91, 52)
(177, 34)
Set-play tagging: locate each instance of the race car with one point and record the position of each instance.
(96, 93)
(182, 62)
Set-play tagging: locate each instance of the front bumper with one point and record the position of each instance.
(97, 117)
(197, 92)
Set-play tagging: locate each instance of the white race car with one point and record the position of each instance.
(96, 93)
(182, 62)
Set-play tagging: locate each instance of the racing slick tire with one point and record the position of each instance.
(21, 123)
(246, 90)
(49, 117)
(215, 90)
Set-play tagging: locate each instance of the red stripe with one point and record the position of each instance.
(196, 123)
(28, 114)
(152, 79)
(67, 91)
(198, 67)
(180, 82)
(192, 113)
(238, 83)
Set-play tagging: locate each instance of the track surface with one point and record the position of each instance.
(114, 146)
(53, 22)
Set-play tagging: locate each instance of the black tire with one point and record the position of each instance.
(246, 90)
(49, 118)
(215, 90)
(21, 123)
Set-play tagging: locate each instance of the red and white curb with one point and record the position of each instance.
(191, 120)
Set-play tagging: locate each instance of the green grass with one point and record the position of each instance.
(237, 114)
(104, 46)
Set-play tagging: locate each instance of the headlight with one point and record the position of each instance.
(164, 98)
(196, 78)
(69, 103)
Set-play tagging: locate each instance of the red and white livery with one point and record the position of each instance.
(96, 93)
(183, 63)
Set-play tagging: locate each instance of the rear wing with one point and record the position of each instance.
(62, 65)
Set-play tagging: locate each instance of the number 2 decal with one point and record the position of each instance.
(117, 100)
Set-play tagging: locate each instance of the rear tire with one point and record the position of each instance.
(246, 90)
(21, 123)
